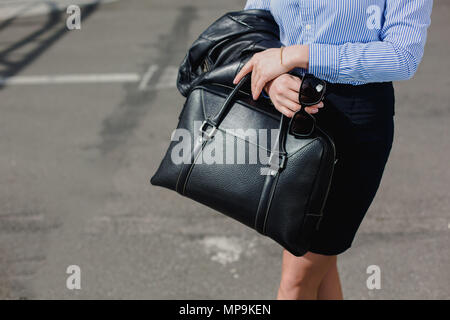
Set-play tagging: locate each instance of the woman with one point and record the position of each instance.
(358, 47)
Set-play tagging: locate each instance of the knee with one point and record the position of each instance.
(305, 280)
(305, 274)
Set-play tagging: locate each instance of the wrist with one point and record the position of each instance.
(296, 56)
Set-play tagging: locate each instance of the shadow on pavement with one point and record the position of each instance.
(53, 29)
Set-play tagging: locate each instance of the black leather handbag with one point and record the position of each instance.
(283, 198)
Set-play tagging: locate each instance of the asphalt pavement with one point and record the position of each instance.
(85, 118)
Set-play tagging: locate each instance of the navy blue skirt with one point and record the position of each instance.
(360, 119)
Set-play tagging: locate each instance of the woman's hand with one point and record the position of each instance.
(283, 92)
(266, 65)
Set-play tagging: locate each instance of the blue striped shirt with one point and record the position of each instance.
(354, 41)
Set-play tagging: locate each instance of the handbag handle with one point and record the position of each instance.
(282, 129)
(217, 119)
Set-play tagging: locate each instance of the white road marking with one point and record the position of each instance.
(147, 76)
(167, 80)
(27, 8)
(71, 78)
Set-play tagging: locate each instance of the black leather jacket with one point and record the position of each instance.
(224, 47)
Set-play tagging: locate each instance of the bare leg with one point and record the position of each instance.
(330, 288)
(302, 276)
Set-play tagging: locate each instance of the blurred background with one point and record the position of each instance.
(85, 117)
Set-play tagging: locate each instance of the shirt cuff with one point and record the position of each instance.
(324, 61)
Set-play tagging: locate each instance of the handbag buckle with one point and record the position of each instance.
(207, 135)
(276, 166)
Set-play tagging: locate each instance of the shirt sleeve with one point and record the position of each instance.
(395, 57)
(257, 4)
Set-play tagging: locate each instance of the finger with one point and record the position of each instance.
(291, 105)
(294, 83)
(260, 83)
(290, 94)
(245, 69)
(319, 105)
(311, 110)
(254, 78)
(288, 113)
(268, 86)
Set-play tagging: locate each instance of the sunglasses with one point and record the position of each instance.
(312, 92)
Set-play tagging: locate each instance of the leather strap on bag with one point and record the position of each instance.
(276, 162)
(206, 135)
